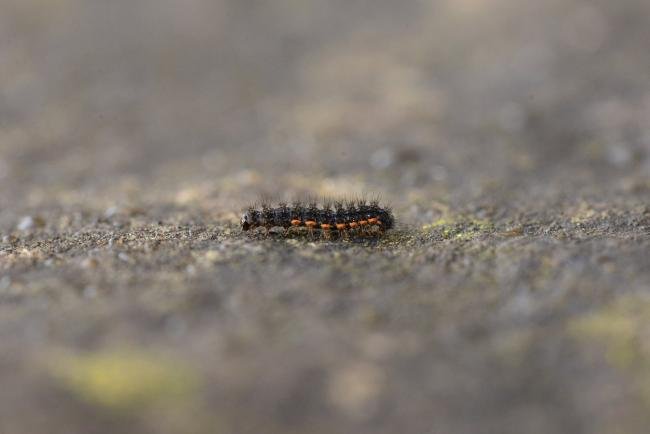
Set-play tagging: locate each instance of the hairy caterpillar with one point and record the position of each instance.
(349, 218)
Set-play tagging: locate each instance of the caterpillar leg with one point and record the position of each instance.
(340, 227)
(374, 226)
(311, 224)
(363, 228)
(325, 231)
(381, 230)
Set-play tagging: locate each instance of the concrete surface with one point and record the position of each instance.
(512, 138)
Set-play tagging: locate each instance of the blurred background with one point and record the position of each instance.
(117, 116)
(445, 97)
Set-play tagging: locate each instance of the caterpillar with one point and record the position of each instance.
(356, 218)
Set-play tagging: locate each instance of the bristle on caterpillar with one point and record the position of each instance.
(337, 218)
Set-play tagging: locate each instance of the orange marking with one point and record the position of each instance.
(295, 222)
(373, 220)
(353, 225)
(310, 224)
(363, 222)
(325, 226)
(340, 226)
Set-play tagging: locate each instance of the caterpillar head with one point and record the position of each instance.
(247, 220)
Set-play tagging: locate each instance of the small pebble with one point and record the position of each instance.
(619, 155)
(213, 256)
(355, 389)
(26, 223)
(111, 211)
(90, 263)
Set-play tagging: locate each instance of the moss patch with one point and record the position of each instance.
(459, 227)
(124, 380)
(623, 331)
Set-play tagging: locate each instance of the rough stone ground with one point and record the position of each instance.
(512, 138)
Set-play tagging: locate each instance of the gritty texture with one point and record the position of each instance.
(512, 139)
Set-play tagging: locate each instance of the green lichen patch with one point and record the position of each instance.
(459, 227)
(124, 381)
(622, 330)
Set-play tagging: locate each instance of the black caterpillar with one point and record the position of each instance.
(344, 218)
